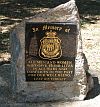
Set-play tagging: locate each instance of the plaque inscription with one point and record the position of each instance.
(50, 51)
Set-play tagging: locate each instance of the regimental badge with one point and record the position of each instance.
(50, 47)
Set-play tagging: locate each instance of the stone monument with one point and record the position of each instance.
(47, 58)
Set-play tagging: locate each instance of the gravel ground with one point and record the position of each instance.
(91, 48)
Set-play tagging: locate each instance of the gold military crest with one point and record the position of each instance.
(50, 47)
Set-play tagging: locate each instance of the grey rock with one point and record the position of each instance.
(5, 71)
(5, 83)
(38, 91)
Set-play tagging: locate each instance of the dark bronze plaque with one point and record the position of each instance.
(50, 51)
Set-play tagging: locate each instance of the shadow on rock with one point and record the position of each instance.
(95, 91)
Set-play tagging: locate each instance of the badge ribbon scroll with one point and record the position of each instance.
(50, 47)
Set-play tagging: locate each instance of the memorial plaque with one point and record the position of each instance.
(50, 51)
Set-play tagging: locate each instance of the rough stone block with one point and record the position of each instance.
(41, 91)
